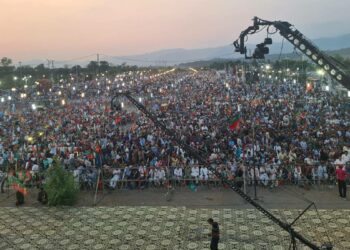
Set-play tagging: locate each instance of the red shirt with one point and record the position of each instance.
(341, 174)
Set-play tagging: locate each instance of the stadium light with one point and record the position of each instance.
(320, 72)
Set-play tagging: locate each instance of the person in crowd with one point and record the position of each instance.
(195, 172)
(114, 180)
(204, 173)
(297, 175)
(85, 134)
(341, 177)
(161, 178)
(263, 176)
(178, 174)
(322, 173)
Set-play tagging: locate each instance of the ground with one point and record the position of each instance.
(135, 219)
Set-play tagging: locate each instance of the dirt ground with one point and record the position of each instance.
(325, 197)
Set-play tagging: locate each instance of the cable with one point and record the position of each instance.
(279, 57)
(75, 59)
(323, 224)
(271, 33)
(157, 61)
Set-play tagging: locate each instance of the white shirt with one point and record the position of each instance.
(195, 171)
(161, 174)
(35, 168)
(204, 171)
(178, 172)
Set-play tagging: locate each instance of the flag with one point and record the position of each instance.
(302, 115)
(118, 119)
(17, 184)
(235, 122)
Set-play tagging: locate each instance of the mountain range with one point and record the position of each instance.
(338, 44)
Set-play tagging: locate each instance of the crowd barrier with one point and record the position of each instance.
(193, 183)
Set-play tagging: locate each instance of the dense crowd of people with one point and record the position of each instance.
(286, 134)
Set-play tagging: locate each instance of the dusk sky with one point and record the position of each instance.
(64, 29)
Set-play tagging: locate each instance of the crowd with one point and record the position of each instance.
(286, 134)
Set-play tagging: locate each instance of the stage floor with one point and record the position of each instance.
(162, 227)
(144, 219)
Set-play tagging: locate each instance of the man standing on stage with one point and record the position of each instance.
(341, 176)
(215, 234)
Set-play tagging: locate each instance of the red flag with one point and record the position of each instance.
(235, 122)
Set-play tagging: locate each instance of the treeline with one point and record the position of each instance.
(293, 65)
(276, 65)
(17, 76)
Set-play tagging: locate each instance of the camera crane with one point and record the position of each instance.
(298, 40)
(203, 159)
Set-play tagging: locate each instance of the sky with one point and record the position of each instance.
(67, 29)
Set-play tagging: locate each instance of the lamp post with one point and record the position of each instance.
(321, 73)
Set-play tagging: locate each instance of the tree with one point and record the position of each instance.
(60, 186)
(40, 68)
(5, 61)
(104, 66)
(76, 69)
(92, 66)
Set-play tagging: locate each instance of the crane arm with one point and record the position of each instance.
(203, 159)
(298, 40)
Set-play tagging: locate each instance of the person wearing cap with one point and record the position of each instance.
(215, 234)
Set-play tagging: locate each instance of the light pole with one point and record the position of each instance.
(321, 73)
(20, 70)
